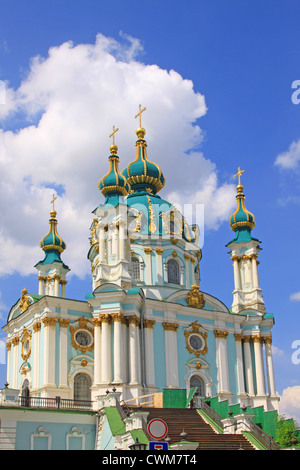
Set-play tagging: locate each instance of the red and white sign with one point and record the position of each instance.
(157, 428)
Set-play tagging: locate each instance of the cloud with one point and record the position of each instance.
(295, 297)
(289, 160)
(289, 404)
(57, 125)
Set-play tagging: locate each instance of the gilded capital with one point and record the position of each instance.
(105, 318)
(117, 317)
(49, 321)
(36, 326)
(170, 326)
(64, 322)
(148, 323)
(238, 336)
(221, 334)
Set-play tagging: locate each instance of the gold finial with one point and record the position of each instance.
(53, 201)
(113, 134)
(53, 212)
(239, 173)
(113, 147)
(139, 114)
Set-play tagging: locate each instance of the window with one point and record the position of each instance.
(197, 381)
(83, 338)
(173, 272)
(82, 387)
(136, 269)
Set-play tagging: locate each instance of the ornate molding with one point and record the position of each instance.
(64, 323)
(83, 324)
(238, 336)
(195, 298)
(117, 317)
(36, 326)
(26, 344)
(197, 330)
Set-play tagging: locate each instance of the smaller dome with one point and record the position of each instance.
(241, 218)
(52, 241)
(114, 181)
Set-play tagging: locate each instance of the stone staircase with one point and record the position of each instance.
(197, 430)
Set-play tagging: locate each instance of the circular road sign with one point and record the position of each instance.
(157, 428)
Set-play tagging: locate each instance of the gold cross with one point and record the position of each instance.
(53, 200)
(140, 114)
(239, 174)
(113, 134)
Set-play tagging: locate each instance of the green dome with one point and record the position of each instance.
(114, 182)
(241, 219)
(142, 174)
(52, 241)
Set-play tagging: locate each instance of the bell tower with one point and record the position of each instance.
(244, 249)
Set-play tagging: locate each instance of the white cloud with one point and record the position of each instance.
(289, 160)
(295, 297)
(289, 404)
(70, 100)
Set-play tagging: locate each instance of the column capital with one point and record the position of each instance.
(238, 336)
(133, 320)
(247, 339)
(256, 339)
(96, 322)
(159, 250)
(267, 339)
(117, 317)
(49, 321)
(148, 323)
(105, 318)
(221, 334)
(36, 326)
(170, 326)
(235, 258)
(147, 251)
(64, 322)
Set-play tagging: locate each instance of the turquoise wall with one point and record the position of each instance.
(58, 433)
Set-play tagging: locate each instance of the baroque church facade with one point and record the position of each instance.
(146, 326)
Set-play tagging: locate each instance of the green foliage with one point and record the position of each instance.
(285, 431)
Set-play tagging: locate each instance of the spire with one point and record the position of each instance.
(142, 174)
(241, 221)
(52, 271)
(113, 183)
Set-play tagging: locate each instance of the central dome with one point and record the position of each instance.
(142, 174)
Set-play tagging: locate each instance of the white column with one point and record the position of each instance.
(63, 288)
(236, 272)
(159, 266)
(102, 243)
(259, 365)
(118, 348)
(270, 367)
(248, 365)
(187, 271)
(41, 285)
(97, 351)
(222, 361)
(36, 355)
(148, 266)
(15, 361)
(106, 374)
(9, 353)
(149, 352)
(122, 241)
(63, 353)
(56, 278)
(254, 271)
(134, 352)
(49, 350)
(239, 365)
(171, 354)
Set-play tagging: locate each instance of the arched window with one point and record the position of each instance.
(173, 272)
(82, 387)
(197, 381)
(136, 271)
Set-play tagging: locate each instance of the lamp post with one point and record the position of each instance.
(137, 445)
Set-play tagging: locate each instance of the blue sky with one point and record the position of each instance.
(239, 58)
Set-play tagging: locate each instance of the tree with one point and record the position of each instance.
(285, 431)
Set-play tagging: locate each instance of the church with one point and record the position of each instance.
(146, 328)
